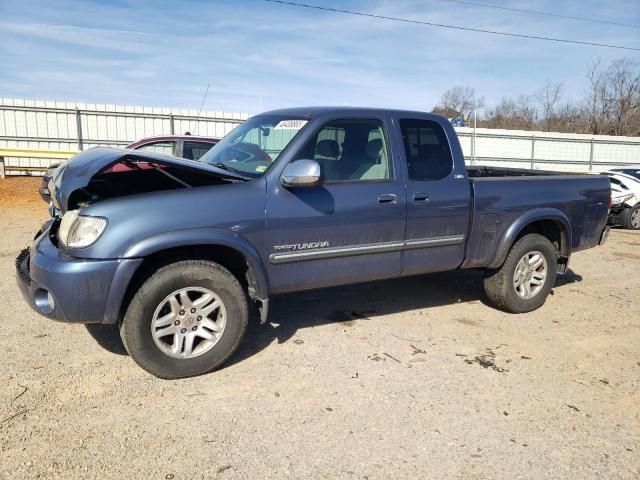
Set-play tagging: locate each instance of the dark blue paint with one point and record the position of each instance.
(255, 216)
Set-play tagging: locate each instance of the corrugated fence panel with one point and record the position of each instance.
(503, 147)
(612, 153)
(562, 151)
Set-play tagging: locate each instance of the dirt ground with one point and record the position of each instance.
(414, 378)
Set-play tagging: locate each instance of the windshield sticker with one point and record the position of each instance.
(290, 124)
(261, 168)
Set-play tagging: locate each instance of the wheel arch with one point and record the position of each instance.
(628, 216)
(229, 249)
(549, 222)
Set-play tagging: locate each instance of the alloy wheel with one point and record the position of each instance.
(188, 322)
(530, 274)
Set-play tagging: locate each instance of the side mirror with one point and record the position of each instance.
(301, 173)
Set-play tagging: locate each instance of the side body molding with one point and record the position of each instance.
(527, 218)
(206, 236)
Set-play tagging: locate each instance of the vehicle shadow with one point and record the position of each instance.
(108, 337)
(296, 311)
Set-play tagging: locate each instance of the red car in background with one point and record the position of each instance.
(184, 146)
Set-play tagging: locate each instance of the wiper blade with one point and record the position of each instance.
(224, 167)
(229, 169)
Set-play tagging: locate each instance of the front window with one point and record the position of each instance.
(252, 147)
(350, 151)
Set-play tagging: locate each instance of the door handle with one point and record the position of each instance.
(387, 198)
(420, 197)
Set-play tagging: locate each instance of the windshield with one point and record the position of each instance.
(253, 146)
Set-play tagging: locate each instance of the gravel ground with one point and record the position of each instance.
(414, 378)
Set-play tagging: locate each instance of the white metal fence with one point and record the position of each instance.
(47, 126)
(548, 150)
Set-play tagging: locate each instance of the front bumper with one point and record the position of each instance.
(616, 215)
(69, 289)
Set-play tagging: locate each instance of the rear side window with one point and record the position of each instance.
(165, 148)
(426, 149)
(194, 150)
(351, 151)
(615, 181)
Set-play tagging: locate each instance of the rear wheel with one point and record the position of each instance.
(185, 320)
(526, 277)
(632, 218)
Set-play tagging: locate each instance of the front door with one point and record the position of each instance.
(348, 229)
(438, 200)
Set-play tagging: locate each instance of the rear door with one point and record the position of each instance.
(438, 199)
(351, 227)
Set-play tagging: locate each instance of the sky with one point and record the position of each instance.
(255, 54)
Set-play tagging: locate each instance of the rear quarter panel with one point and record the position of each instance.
(499, 203)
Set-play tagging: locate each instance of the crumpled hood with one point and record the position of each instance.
(79, 170)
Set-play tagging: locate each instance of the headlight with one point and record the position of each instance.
(52, 193)
(78, 231)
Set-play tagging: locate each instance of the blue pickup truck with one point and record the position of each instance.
(178, 253)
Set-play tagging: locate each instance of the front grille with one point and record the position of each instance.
(22, 266)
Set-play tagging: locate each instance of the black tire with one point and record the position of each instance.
(136, 326)
(499, 283)
(631, 216)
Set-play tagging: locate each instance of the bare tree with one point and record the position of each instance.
(517, 114)
(624, 85)
(597, 105)
(612, 103)
(568, 119)
(458, 102)
(549, 98)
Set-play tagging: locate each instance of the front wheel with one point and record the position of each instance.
(526, 277)
(632, 218)
(185, 320)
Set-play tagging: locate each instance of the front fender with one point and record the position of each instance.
(205, 236)
(527, 218)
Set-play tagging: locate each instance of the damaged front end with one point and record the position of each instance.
(113, 209)
(104, 173)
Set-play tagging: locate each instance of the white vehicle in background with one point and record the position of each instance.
(625, 200)
(633, 171)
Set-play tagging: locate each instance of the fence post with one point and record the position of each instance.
(79, 130)
(533, 150)
(591, 156)
(172, 129)
(2, 174)
(473, 149)
(473, 144)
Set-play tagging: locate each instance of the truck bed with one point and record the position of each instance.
(502, 196)
(485, 172)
